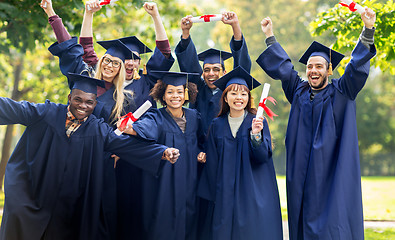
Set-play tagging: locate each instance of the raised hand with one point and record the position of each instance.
(267, 26)
(257, 125)
(368, 18)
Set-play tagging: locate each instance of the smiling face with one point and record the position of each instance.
(211, 73)
(237, 99)
(317, 72)
(81, 103)
(174, 96)
(131, 64)
(110, 67)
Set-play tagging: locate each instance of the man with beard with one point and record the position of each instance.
(323, 172)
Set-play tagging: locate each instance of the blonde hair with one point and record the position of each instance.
(118, 95)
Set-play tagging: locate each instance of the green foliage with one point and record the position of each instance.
(345, 26)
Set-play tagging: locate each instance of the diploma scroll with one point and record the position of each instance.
(207, 18)
(265, 93)
(131, 118)
(353, 6)
(104, 2)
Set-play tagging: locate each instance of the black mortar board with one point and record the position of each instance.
(134, 44)
(318, 49)
(213, 55)
(117, 49)
(237, 76)
(177, 78)
(84, 83)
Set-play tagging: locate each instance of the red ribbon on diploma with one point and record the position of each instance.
(206, 18)
(269, 112)
(125, 120)
(351, 6)
(105, 2)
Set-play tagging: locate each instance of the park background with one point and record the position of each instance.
(29, 72)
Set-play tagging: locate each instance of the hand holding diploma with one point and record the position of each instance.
(96, 4)
(353, 6)
(207, 18)
(46, 5)
(130, 118)
(262, 103)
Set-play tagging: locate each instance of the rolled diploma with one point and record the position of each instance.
(137, 114)
(265, 93)
(217, 17)
(89, 8)
(359, 8)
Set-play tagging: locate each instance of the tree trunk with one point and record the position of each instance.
(16, 95)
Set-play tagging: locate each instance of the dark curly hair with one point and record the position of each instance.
(158, 91)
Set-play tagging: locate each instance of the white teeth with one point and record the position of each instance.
(80, 111)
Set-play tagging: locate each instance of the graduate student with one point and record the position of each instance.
(169, 201)
(54, 176)
(239, 178)
(207, 102)
(110, 68)
(139, 81)
(323, 172)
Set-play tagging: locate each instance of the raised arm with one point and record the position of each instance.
(237, 44)
(86, 35)
(60, 31)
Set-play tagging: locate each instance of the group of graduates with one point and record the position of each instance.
(198, 172)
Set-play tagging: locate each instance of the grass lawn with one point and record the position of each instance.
(378, 197)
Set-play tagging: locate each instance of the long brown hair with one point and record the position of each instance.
(236, 87)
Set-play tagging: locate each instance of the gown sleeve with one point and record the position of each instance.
(276, 63)
(188, 60)
(263, 152)
(208, 179)
(357, 71)
(158, 62)
(25, 113)
(90, 56)
(70, 56)
(240, 54)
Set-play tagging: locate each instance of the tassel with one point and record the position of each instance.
(145, 69)
(186, 95)
(136, 74)
(330, 72)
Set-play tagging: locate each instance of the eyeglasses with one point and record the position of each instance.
(115, 63)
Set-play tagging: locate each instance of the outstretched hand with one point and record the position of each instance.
(186, 25)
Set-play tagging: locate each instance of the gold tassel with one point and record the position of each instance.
(186, 95)
(145, 69)
(136, 74)
(330, 72)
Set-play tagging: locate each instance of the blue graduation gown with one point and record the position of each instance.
(323, 172)
(128, 177)
(169, 201)
(207, 103)
(53, 183)
(70, 60)
(240, 181)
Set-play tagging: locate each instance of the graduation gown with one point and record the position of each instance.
(169, 201)
(323, 172)
(70, 55)
(129, 177)
(53, 183)
(207, 103)
(240, 182)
